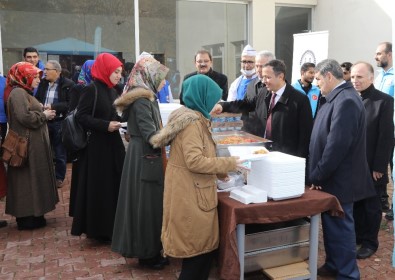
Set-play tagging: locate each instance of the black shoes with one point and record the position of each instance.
(3, 223)
(389, 216)
(31, 222)
(156, 263)
(325, 272)
(364, 253)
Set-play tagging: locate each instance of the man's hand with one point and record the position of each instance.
(216, 110)
(377, 175)
(314, 187)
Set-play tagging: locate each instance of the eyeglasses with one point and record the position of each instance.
(47, 69)
(203, 61)
(247, 62)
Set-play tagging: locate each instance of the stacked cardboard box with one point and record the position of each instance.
(226, 122)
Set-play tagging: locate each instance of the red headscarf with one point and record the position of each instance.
(105, 64)
(21, 74)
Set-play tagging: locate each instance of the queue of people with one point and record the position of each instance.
(152, 208)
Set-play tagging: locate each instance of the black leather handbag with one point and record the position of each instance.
(74, 136)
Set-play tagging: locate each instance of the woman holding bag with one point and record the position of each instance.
(96, 176)
(32, 188)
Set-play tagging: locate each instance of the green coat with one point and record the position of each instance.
(138, 219)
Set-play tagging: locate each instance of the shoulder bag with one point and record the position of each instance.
(15, 146)
(74, 136)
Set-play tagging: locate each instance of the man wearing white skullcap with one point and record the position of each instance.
(238, 88)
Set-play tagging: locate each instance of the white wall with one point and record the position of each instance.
(355, 27)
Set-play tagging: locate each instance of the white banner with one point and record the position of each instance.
(309, 47)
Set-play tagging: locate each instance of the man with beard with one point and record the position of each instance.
(305, 86)
(238, 88)
(385, 82)
(346, 67)
(203, 64)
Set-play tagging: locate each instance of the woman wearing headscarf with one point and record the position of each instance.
(32, 188)
(84, 79)
(95, 183)
(190, 221)
(138, 220)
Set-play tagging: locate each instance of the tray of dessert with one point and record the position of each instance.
(238, 138)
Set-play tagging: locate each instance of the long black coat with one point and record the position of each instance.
(291, 120)
(96, 178)
(379, 108)
(338, 147)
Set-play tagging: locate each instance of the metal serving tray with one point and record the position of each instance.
(222, 149)
(266, 236)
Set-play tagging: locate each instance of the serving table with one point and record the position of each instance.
(234, 215)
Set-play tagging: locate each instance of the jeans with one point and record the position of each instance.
(55, 136)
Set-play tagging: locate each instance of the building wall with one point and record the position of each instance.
(355, 29)
(355, 26)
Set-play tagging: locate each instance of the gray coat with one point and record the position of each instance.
(31, 188)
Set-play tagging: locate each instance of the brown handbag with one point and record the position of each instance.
(15, 148)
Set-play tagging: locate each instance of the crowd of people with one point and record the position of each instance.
(148, 206)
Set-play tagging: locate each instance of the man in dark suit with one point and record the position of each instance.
(281, 108)
(203, 64)
(338, 165)
(379, 137)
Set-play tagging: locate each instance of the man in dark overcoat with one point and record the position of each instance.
(338, 165)
(379, 137)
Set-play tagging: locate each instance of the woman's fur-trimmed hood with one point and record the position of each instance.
(122, 102)
(178, 120)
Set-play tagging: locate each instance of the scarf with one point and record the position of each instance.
(85, 76)
(200, 93)
(147, 73)
(21, 75)
(104, 65)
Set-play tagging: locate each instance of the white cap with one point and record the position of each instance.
(248, 51)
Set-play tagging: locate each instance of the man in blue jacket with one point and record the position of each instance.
(305, 86)
(338, 165)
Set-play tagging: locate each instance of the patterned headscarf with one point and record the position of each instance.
(85, 76)
(104, 65)
(147, 73)
(201, 93)
(21, 74)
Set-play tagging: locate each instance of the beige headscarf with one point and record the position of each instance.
(147, 73)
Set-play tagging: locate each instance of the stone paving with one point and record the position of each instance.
(52, 253)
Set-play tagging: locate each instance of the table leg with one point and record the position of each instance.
(313, 253)
(240, 234)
